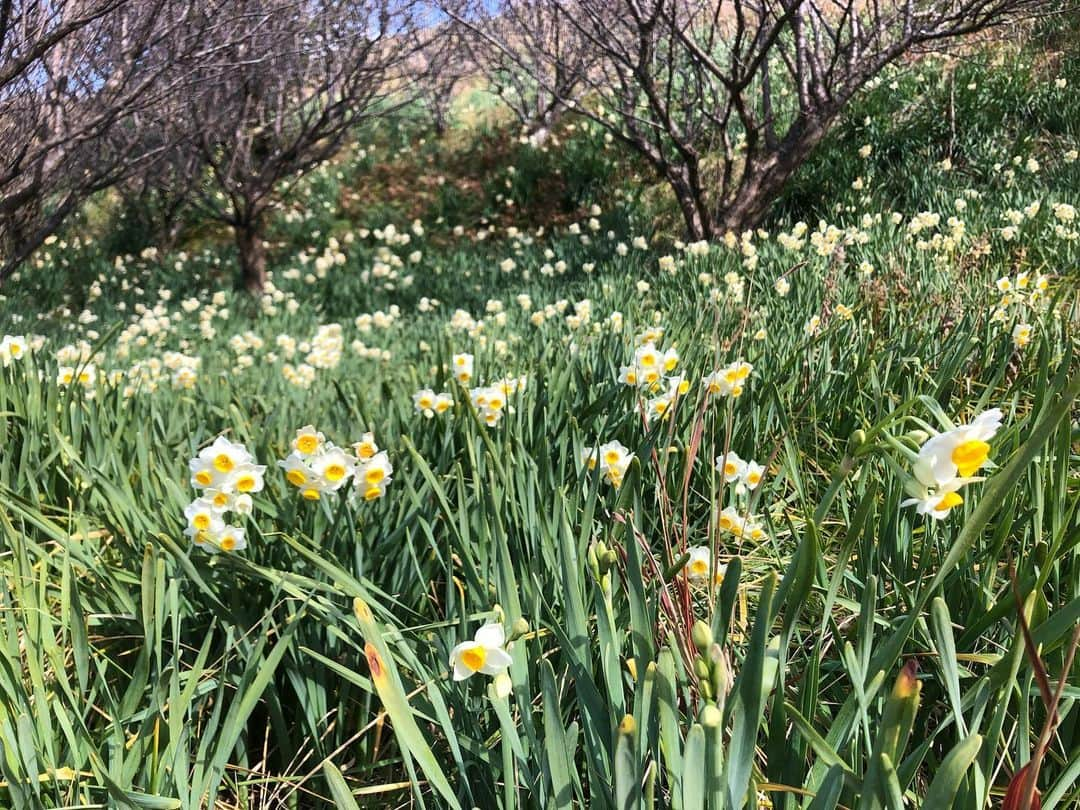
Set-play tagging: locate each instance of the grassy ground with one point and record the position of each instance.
(313, 667)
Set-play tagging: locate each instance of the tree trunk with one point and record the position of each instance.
(695, 211)
(252, 255)
(764, 179)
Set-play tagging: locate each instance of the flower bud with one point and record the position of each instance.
(501, 686)
(243, 504)
(916, 437)
(519, 628)
(857, 440)
(702, 635)
(701, 669)
(710, 716)
(720, 680)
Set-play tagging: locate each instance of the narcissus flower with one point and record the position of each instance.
(697, 567)
(373, 475)
(1021, 335)
(484, 654)
(936, 501)
(425, 401)
(731, 466)
(729, 380)
(614, 459)
(462, 367)
(959, 452)
(752, 474)
(366, 447)
(308, 440)
(12, 348)
(223, 465)
(226, 474)
(218, 537)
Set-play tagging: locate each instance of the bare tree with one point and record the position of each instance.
(78, 79)
(533, 56)
(727, 98)
(290, 81)
(439, 67)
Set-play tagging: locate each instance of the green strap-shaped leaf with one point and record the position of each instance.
(387, 683)
(339, 788)
(947, 781)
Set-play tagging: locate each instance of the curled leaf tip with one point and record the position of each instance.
(362, 611)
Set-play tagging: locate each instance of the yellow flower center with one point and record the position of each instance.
(648, 359)
(296, 478)
(365, 450)
(441, 406)
(372, 492)
(969, 456)
(245, 483)
(228, 543)
(726, 522)
(947, 502)
(374, 475)
(699, 568)
(15, 349)
(474, 657)
(753, 478)
(684, 386)
(335, 472)
(201, 521)
(631, 378)
(670, 363)
(203, 477)
(307, 444)
(221, 499)
(223, 463)
(425, 403)
(730, 468)
(611, 458)
(310, 494)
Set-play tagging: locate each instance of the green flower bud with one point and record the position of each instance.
(702, 635)
(857, 440)
(710, 716)
(702, 669)
(519, 628)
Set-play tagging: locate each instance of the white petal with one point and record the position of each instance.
(461, 672)
(497, 660)
(491, 635)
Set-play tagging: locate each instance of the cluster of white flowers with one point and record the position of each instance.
(317, 467)
(428, 403)
(744, 474)
(728, 381)
(226, 475)
(613, 458)
(490, 401)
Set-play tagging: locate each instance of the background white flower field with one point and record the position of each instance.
(499, 429)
